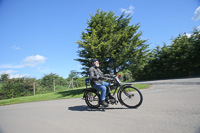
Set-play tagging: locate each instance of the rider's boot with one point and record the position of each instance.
(105, 104)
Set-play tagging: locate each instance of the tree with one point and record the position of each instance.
(47, 80)
(112, 40)
(61, 81)
(4, 77)
(180, 59)
(17, 87)
(73, 74)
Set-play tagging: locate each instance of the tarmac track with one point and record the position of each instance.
(169, 106)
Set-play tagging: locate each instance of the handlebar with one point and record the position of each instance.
(111, 78)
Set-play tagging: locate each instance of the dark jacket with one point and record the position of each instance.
(95, 75)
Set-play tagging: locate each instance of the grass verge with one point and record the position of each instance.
(76, 93)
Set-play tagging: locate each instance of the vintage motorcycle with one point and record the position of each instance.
(126, 93)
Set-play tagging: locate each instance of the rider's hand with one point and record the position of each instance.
(106, 78)
(98, 77)
(101, 77)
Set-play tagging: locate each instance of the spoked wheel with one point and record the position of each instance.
(92, 99)
(131, 97)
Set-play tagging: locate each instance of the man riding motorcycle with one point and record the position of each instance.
(96, 81)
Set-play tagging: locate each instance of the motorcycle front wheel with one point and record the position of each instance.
(131, 97)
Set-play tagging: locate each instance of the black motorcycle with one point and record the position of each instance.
(127, 94)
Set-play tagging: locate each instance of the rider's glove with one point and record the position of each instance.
(102, 77)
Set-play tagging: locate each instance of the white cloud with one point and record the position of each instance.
(131, 7)
(129, 10)
(188, 35)
(12, 74)
(196, 16)
(19, 76)
(29, 61)
(198, 27)
(10, 66)
(8, 72)
(32, 61)
(15, 47)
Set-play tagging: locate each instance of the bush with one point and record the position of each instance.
(16, 87)
(126, 76)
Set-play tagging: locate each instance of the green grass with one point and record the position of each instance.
(76, 93)
(141, 86)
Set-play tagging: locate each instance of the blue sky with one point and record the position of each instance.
(38, 37)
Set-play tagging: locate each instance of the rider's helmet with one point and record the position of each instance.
(96, 65)
(94, 60)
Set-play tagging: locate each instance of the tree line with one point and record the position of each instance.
(179, 59)
(17, 87)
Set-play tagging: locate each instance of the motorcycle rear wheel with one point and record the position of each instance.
(92, 99)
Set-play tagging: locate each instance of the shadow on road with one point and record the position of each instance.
(86, 108)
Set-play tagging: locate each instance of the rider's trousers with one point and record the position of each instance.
(102, 88)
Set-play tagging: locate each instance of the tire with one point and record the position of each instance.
(131, 97)
(92, 99)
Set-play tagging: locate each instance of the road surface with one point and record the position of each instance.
(169, 106)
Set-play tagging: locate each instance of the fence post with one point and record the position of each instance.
(72, 84)
(34, 88)
(54, 86)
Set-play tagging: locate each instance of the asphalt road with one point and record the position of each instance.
(169, 106)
